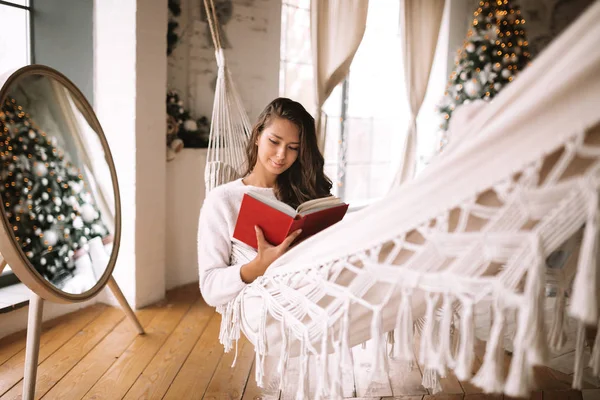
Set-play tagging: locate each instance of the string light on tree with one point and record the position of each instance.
(494, 52)
(45, 196)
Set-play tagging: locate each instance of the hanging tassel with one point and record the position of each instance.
(427, 352)
(261, 348)
(531, 347)
(579, 348)
(284, 354)
(335, 371)
(391, 342)
(379, 361)
(558, 336)
(490, 376)
(431, 380)
(595, 360)
(303, 385)
(584, 299)
(535, 287)
(466, 352)
(445, 358)
(455, 339)
(403, 332)
(322, 383)
(226, 311)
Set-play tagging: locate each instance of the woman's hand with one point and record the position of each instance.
(267, 254)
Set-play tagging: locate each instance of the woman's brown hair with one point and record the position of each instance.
(305, 179)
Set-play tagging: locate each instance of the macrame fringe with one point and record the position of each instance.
(431, 380)
(584, 300)
(490, 376)
(402, 336)
(558, 336)
(466, 352)
(579, 349)
(530, 341)
(445, 356)
(427, 351)
(379, 366)
(595, 359)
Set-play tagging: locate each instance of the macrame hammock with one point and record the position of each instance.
(517, 183)
(230, 127)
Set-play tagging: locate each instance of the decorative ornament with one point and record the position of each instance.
(78, 223)
(39, 169)
(472, 87)
(88, 213)
(50, 237)
(470, 48)
(505, 73)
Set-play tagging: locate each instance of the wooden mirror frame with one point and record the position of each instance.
(9, 248)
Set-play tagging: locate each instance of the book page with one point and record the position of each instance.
(273, 203)
(318, 204)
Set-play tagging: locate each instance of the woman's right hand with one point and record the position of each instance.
(267, 254)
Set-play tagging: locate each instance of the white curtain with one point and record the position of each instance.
(337, 28)
(420, 25)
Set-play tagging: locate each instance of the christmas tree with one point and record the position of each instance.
(494, 52)
(45, 198)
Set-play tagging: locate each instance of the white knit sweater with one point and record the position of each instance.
(220, 257)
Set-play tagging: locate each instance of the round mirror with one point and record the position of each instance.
(60, 200)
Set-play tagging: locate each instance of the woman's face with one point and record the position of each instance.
(278, 146)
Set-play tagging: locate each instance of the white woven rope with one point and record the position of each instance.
(476, 229)
(230, 127)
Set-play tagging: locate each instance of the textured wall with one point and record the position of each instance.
(253, 32)
(546, 19)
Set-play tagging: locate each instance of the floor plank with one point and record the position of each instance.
(229, 382)
(271, 384)
(405, 381)
(64, 359)
(195, 374)
(158, 375)
(369, 383)
(562, 395)
(96, 354)
(590, 394)
(12, 344)
(89, 370)
(449, 383)
(11, 372)
(115, 383)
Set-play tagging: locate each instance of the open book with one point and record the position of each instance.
(277, 220)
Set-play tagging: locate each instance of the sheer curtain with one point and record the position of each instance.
(337, 28)
(420, 26)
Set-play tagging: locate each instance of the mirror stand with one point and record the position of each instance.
(60, 207)
(34, 329)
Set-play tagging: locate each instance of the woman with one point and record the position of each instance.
(284, 162)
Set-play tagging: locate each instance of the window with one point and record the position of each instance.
(368, 113)
(15, 52)
(15, 48)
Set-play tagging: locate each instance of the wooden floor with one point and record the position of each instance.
(95, 354)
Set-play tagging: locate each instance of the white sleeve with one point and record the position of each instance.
(219, 281)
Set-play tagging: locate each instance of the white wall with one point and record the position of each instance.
(130, 87)
(254, 34)
(185, 193)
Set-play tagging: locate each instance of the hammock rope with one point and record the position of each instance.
(473, 231)
(230, 126)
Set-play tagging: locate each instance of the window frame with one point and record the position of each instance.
(9, 278)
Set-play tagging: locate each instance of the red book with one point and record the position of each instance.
(278, 220)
